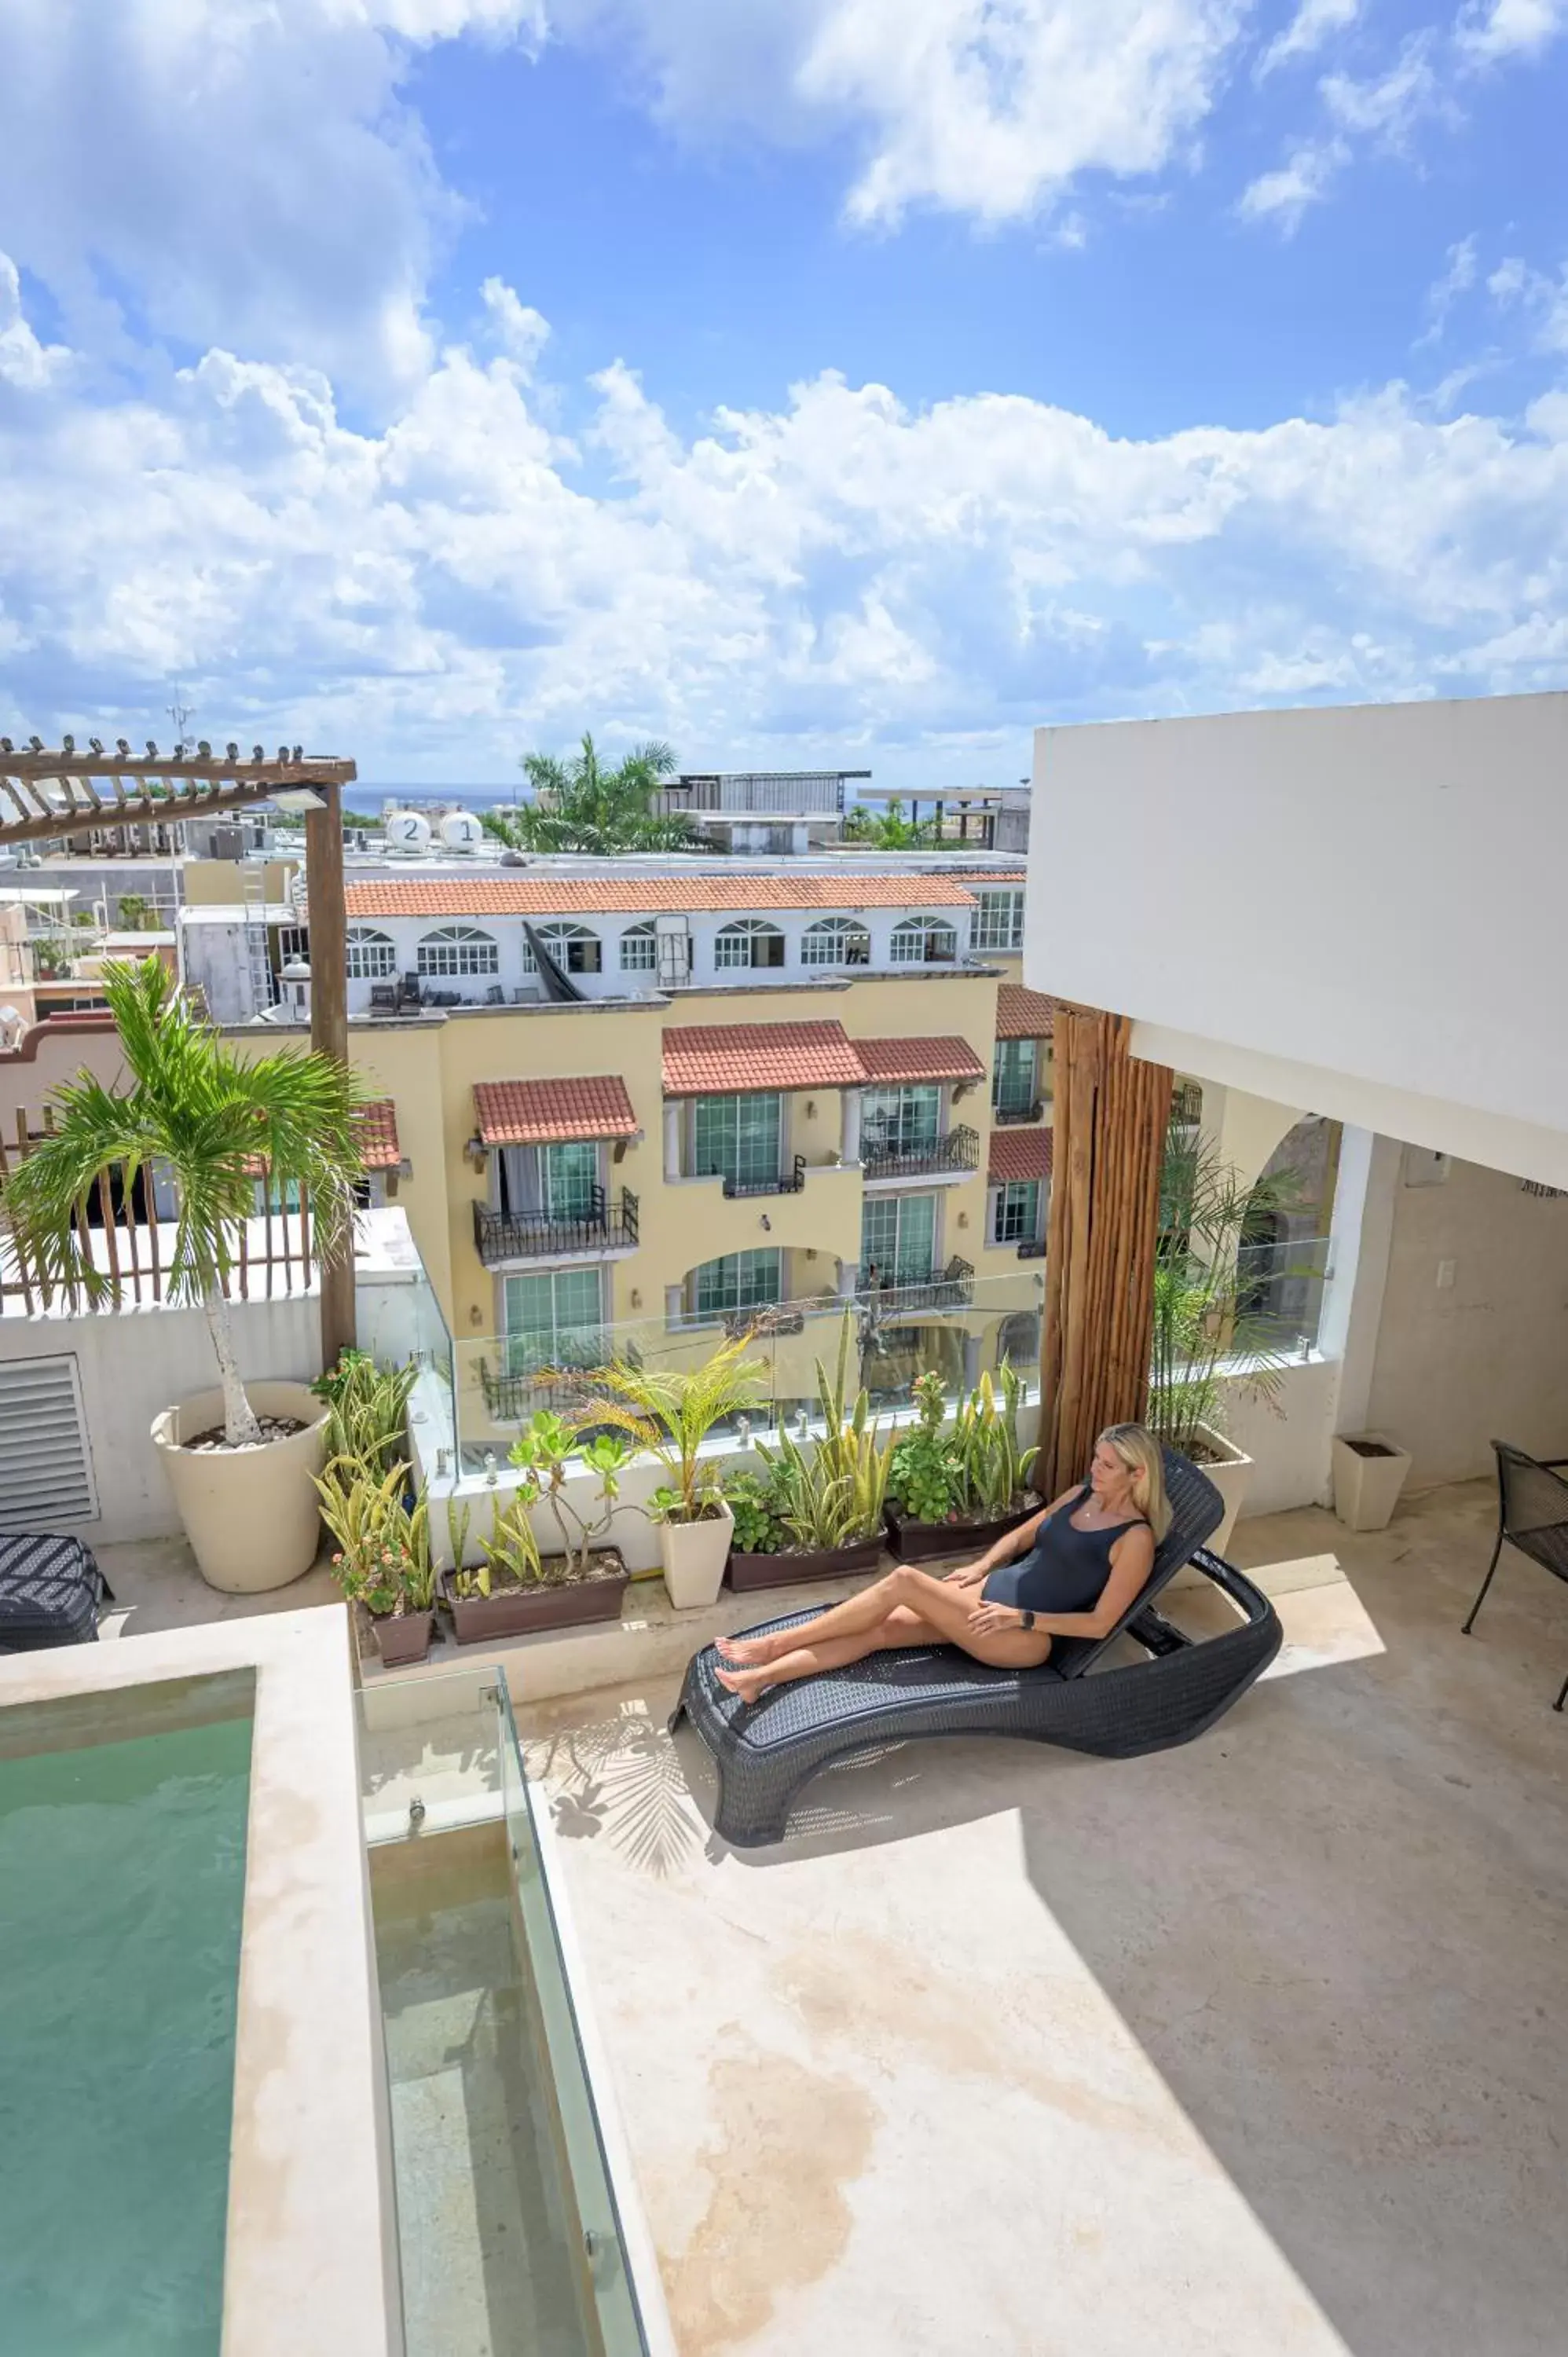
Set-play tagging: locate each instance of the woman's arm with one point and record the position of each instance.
(1131, 1560)
(1011, 1544)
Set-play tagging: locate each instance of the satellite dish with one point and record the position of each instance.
(461, 830)
(408, 833)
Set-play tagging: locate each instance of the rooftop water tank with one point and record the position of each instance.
(408, 833)
(461, 832)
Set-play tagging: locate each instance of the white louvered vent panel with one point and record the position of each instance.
(46, 1470)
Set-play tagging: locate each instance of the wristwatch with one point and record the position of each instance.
(1027, 1618)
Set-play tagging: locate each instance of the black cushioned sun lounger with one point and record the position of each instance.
(764, 1752)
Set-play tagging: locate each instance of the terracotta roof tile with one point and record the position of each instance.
(1023, 1013)
(379, 1129)
(1018, 1154)
(552, 1113)
(722, 1058)
(919, 1060)
(587, 896)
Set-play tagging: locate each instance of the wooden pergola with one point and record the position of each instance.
(47, 795)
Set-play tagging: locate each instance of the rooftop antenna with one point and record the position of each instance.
(179, 711)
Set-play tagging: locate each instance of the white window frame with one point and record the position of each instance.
(742, 935)
(998, 921)
(569, 946)
(640, 949)
(372, 955)
(457, 952)
(835, 941)
(912, 937)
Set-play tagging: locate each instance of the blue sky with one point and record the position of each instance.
(856, 380)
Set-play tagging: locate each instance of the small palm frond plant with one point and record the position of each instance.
(211, 1121)
(671, 1411)
(1209, 1342)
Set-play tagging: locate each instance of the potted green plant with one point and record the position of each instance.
(242, 1460)
(367, 1408)
(958, 1487)
(516, 1589)
(383, 1560)
(1210, 1345)
(671, 1411)
(51, 960)
(829, 1495)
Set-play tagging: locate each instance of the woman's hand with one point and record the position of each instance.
(991, 1620)
(968, 1574)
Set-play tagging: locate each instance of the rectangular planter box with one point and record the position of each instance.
(521, 1611)
(920, 1541)
(403, 1638)
(753, 1571)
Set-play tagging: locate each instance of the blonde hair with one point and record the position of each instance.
(1139, 1453)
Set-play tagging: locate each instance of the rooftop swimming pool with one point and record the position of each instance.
(122, 1894)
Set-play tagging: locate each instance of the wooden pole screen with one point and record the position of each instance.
(1110, 1117)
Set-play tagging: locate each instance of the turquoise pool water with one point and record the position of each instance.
(121, 1883)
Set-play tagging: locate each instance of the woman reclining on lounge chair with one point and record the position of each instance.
(1071, 1571)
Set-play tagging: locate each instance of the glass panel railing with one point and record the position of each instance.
(1280, 1291)
(610, 2285)
(918, 1319)
(505, 2202)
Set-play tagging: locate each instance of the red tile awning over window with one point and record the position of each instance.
(554, 1112)
(1019, 1154)
(886, 1062)
(1023, 1013)
(723, 1059)
(377, 1134)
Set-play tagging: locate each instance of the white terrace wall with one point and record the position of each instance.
(135, 1363)
(1485, 1355)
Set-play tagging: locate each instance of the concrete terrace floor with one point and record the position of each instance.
(1253, 2048)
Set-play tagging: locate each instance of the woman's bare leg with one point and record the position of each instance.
(939, 1615)
(854, 1618)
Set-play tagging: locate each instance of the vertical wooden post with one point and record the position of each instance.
(1109, 1131)
(329, 1029)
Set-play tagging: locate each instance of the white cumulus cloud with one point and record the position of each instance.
(1491, 29)
(1314, 24)
(845, 575)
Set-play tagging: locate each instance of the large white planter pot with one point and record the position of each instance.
(694, 1556)
(1367, 1489)
(252, 1515)
(1230, 1470)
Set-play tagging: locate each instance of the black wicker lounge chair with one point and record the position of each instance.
(764, 1752)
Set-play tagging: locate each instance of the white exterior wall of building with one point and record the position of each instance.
(1357, 910)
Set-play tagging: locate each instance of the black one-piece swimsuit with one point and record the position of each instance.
(1064, 1570)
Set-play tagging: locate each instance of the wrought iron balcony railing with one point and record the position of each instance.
(603, 1225)
(898, 1292)
(958, 1150)
(1032, 1248)
(1009, 1112)
(781, 1182)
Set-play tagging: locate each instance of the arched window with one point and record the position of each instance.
(372, 955)
(459, 950)
(749, 941)
(574, 949)
(924, 941)
(638, 950)
(837, 941)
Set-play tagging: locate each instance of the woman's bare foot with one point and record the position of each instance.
(747, 1683)
(745, 1652)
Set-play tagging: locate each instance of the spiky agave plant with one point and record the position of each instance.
(671, 1411)
(209, 1120)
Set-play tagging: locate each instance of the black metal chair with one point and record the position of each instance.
(1532, 1515)
(764, 1752)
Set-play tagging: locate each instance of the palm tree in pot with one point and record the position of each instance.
(209, 1123)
